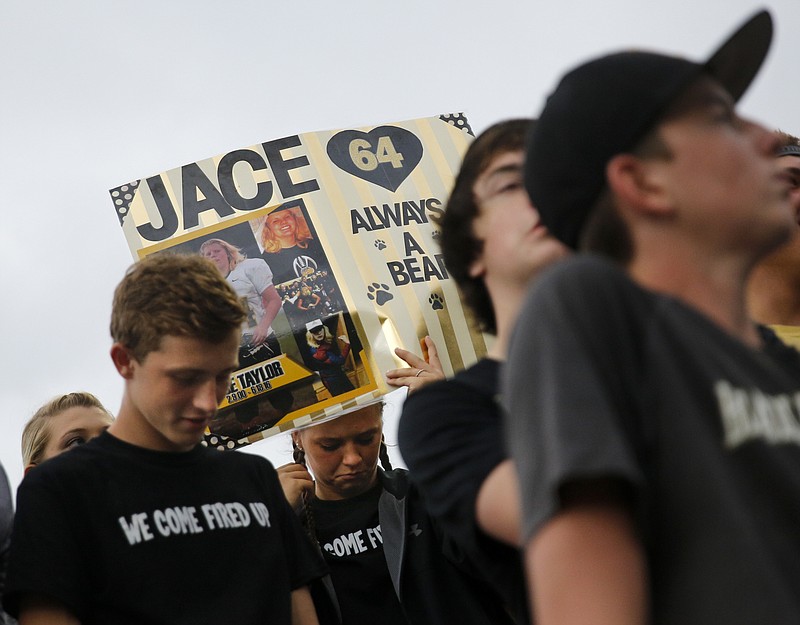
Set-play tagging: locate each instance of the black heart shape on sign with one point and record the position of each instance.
(384, 156)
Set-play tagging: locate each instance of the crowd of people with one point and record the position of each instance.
(627, 452)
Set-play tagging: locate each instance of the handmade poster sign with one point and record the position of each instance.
(330, 240)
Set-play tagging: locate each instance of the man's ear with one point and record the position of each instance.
(123, 360)
(477, 268)
(637, 184)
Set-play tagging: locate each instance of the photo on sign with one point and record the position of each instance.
(300, 346)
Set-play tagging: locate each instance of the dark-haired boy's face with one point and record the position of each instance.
(723, 181)
(174, 391)
(516, 244)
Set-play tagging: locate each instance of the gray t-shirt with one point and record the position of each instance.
(606, 379)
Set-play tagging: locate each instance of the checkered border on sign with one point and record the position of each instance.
(459, 120)
(122, 197)
(224, 443)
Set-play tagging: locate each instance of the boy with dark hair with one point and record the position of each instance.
(460, 244)
(655, 428)
(143, 524)
(494, 245)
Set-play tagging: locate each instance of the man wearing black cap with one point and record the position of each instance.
(773, 293)
(655, 428)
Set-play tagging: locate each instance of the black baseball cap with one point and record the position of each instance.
(605, 106)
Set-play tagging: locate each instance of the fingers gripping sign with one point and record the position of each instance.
(420, 372)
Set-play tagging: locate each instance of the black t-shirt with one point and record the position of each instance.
(350, 536)
(124, 535)
(290, 263)
(606, 379)
(451, 438)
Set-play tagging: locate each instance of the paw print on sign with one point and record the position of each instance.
(435, 235)
(379, 293)
(435, 301)
(380, 244)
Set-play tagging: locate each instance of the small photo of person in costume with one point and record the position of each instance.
(328, 357)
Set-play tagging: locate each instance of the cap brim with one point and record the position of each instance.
(736, 63)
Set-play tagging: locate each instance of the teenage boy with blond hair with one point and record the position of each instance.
(144, 524)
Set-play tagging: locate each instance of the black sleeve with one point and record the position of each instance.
(450, 436)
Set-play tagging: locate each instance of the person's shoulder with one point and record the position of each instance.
(481, 378)
(234, 460)
(464, 407)
(582, 283)
(250, 265)
(233, 457)
(424, 403)
(98, 447)
(75, 466)
(396, 482)
(582, 270)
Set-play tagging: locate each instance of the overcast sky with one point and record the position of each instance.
(97, 93)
